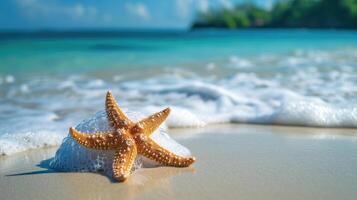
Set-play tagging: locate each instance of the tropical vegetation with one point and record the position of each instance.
(284, 14)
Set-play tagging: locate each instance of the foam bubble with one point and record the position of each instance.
(14, 143)
(308, 113)
(24, 88)
(211, 66)
(240, 62)
(180, 117)
(9, 79)
(73, 157)
(302, 87)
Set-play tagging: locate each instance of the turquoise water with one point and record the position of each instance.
(81, 53)
(51, 81)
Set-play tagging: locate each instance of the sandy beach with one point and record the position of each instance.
(234, 162)
(249, 100)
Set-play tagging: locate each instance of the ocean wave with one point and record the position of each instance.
(298, 112)
(307, 113)
(14, 143)
(301, 88)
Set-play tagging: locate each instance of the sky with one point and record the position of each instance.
(115, 14)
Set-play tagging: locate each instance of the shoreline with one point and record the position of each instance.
(184, 132)
(233, 161)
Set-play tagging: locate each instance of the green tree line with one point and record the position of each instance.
(284, 14)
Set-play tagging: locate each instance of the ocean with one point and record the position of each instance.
(51, 81)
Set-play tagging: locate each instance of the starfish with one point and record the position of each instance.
(130, 139)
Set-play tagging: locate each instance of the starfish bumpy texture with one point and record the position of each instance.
(129, 139)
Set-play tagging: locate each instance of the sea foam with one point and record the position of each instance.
(303, 88)
(73, 157)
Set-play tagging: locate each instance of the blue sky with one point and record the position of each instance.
(136, 14)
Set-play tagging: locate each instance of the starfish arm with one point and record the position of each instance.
(123, 161)
(115, 115)
(150, 149)
(151, 123)
(99, 141)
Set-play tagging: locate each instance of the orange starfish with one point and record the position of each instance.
(130, 138)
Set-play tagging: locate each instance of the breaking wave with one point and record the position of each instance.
(304, 88)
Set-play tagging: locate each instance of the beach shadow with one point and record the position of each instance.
(45, 165)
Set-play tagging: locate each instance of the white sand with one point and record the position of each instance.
(234, 162)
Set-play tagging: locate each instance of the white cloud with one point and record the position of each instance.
(139, 9)
(92, 10)
(203, 5)
(183, 8)
(269, 4)
(107, 18)
(43, 8)
(78, 10)
(26, 2)
(226, 4)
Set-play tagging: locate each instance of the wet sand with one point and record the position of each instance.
(233, 162)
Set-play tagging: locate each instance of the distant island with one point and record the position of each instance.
(284, 14)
